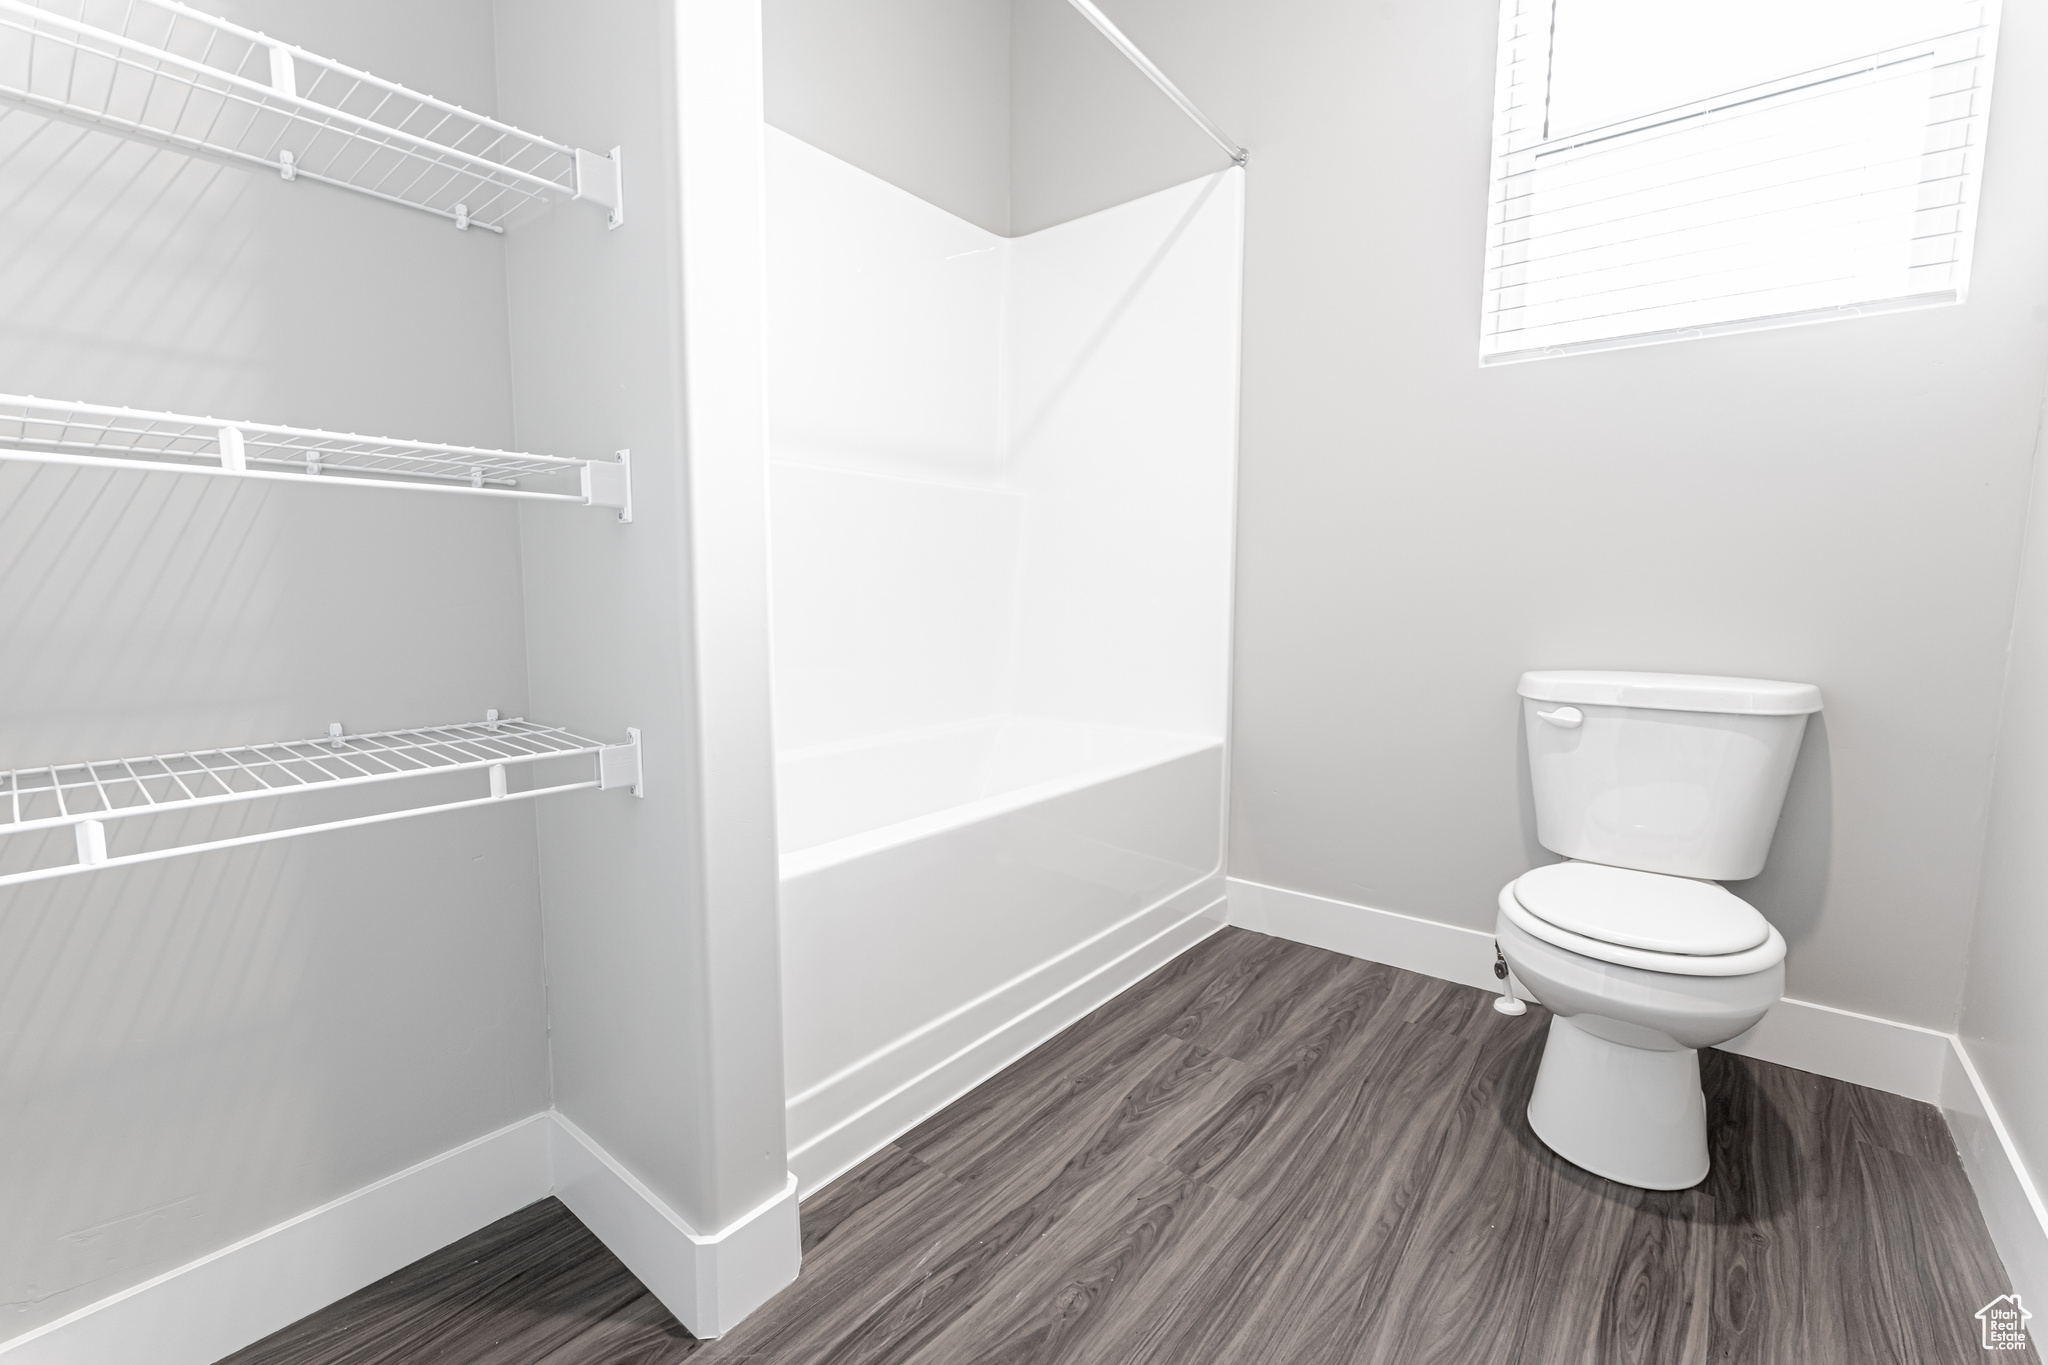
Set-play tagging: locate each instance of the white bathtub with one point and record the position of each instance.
(952, 898)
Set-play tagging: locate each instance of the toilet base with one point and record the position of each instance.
(1627, 1113)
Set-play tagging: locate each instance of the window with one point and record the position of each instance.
(1666, 170)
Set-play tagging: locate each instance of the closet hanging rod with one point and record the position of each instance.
(95, 436)
(89, 796)
(1159, 78)
(202, 83)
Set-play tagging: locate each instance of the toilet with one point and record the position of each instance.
(1656, 787)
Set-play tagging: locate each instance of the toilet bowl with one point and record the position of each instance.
(1618, 1091)
(1656, 788)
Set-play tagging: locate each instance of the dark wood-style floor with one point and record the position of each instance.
(1270, 1153)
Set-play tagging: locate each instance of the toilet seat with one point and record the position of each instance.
(1670, 923)
(1650, 910)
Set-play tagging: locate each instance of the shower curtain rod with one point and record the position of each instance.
(1159, 78)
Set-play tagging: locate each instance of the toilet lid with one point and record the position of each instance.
(1645, 910)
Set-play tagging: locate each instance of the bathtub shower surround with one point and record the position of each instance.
(1003, 473)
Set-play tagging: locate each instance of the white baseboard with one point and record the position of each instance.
(708, 1282)
(1901, 1059)
(2013, 1208)
(1444, 951)
(216, 1305)
(1883, 1054)
(837, 1126)
(223, 1301)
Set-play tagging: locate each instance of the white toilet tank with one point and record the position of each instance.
(1663, 772)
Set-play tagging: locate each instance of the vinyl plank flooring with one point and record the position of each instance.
(1167, 1221)
(893, 1248)
(1313, 1261)
(842, 1203)
(889, 1275)
(1477, 1241)
(998, 1116)
(1659, 1281)
(1062, 1119)
(1903, 1261)
(1078, 1286)
(1010, 1202)
(1313, 1109)
(1777, 1302)
(533, 1287)
(1272, 993)
(1265, 1152)
(1201, 984)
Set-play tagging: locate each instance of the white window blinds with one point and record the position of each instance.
(1663, 170)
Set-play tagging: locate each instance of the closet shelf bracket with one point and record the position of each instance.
(618, 765)
(95, 798)
(610, 483)
(174, 74)
(602, 180)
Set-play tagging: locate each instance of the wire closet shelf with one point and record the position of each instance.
(88, 796)
(93, 436)
(161, 70)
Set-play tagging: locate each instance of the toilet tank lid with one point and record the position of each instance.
(1672, 692)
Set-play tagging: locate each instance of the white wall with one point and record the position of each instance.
(1089, 130)
(661, 930)
(2004, 1017)
(1015, 115)
(916, 91)
(198, 1049)
(1838, 504)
